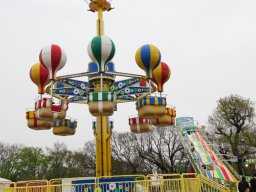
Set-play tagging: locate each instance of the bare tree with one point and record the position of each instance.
(161, 148)
(123, 149)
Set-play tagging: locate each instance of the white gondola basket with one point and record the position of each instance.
(101, 103)
(168, 119)
(139, 124)
(64, 127)
(36, 124)
(47, 110)
(151, 106)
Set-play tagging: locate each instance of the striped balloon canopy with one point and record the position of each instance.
(39, 75)
(148, 58)
(161, 75)
(54, 58)
(101, 49)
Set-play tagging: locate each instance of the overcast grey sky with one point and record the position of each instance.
(210, 46)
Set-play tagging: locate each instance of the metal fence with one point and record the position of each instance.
(126, 183)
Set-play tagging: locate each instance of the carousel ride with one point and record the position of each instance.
(101, 92)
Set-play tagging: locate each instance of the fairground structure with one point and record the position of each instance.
(102, 93)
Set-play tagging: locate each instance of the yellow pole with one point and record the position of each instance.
(98, 137)
(103, 131)
(103, 147)
(106, 146)
(100, 23)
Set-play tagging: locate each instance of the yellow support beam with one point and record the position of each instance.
(103, 148)
(103, 133)
(98, 136)
(106, 146)
(100, 22)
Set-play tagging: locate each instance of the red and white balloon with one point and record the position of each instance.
(54, 58)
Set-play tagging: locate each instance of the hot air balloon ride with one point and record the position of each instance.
(161, 75)
(148, 58)
(53, 58)
(64, 127)
(101, 92)
(40, 76)
(168, 119)
(139, 125)
(101, 50)
(36, 124)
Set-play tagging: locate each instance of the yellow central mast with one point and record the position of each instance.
(103, 131)
(100, 22)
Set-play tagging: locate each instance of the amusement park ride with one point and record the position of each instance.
(101, 92)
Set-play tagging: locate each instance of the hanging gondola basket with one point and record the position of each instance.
(64, 127)
(168, 119)
(36, 124)
(46, 110)
(101, 103)
(139, 125)
(151, 106)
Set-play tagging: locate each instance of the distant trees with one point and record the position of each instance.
(131, 154)
(64, 163)
(233, 121)
(83, 161)
(31, 163)
(8, 160)
(59, 158)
